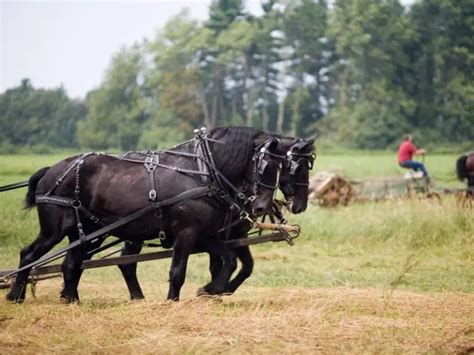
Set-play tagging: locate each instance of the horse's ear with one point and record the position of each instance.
(302, 144)
(274, 143)
(262, 138)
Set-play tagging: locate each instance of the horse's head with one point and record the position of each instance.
(251, 160)
(264, 175)
(294, 179)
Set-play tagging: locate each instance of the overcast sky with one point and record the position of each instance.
(71, 42)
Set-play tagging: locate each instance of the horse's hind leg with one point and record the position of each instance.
(40, 246)
(129, 271)
(184, 243)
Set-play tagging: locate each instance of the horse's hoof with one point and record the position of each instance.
(209, 291)
(16, 293)
(69, 300)
(228, 292)
(14, 298)
(137, 297)
(203, 291)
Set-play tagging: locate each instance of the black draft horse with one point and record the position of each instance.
(113, 188)
(465, 168)
(293, 182)
(465, 171)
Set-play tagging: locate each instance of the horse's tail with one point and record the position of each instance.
(30, 199)
(461, 170)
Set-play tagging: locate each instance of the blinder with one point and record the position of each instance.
(294, 165)
(262, 163)
(262, 166)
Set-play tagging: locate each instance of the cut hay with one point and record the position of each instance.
(258, 320)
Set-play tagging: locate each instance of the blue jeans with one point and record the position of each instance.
(414, 165)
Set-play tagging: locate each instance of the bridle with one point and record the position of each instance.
(260, 164)
(293, 162)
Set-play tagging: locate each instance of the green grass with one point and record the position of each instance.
(418, 245)
(357, 165)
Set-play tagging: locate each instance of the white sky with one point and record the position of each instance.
(71, 42)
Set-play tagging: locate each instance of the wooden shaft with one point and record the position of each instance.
(278, 227)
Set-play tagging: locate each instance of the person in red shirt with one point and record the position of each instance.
(405, 156)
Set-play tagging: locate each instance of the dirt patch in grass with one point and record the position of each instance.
(254, 320)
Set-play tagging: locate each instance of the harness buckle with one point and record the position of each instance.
(162, 235)
(152, 194)
(246, 216)
(151, 161)
(251, 198)
(241, 196)
(159, 213)
(288, 239)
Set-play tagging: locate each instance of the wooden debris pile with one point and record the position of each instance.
(330, 190)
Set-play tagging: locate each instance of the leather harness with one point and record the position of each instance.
(207, 170)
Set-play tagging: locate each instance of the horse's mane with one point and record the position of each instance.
(237, 146)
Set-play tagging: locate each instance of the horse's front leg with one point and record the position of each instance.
(244, 255)
(184, 243)
(222, 270)
(39, 247)
(72, 271)
(129, 271)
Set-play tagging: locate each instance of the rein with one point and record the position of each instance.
(14, 186)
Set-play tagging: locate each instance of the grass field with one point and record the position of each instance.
(394, 276)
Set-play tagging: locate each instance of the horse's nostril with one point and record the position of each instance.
(259, 211)
(297, 210)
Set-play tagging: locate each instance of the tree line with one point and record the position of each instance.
(357, 73)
